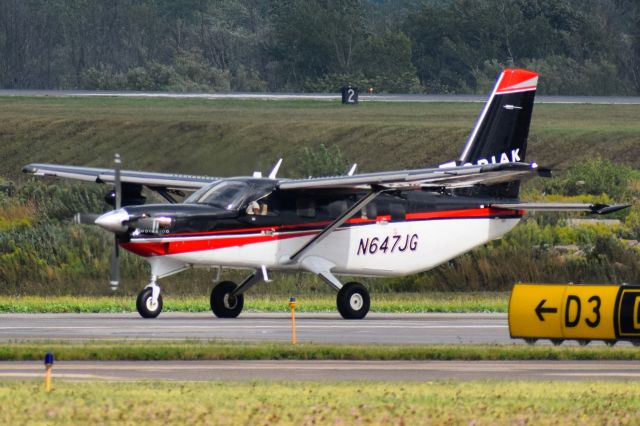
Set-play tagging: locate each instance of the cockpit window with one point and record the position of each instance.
(227, 194)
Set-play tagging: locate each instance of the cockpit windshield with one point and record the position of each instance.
(227, 194)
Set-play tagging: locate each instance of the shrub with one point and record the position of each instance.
(322, 160)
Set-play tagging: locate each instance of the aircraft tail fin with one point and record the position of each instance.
(501, 132)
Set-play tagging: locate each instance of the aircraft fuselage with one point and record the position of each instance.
(397, 234)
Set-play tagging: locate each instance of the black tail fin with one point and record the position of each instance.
(501, 132)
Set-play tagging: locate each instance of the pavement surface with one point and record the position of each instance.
(321, 328)
(405, 371)
(464, 328)
(601, 100)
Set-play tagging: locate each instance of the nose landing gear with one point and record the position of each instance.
(149, 302)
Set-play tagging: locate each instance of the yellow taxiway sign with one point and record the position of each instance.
(581, 312)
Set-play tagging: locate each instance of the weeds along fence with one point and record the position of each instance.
(43, 252)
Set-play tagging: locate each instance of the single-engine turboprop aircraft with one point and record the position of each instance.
(373, 224)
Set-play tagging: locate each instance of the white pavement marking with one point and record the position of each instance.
(254, 327)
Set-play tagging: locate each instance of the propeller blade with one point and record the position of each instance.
(85, 218)
(117, 163)
(115, 269)
(115, 253)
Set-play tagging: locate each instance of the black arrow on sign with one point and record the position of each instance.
(540, 309)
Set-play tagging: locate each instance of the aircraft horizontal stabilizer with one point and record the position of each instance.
(560, 207)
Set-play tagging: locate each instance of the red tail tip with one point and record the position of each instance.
(517, 80)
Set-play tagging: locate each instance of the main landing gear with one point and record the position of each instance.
(224, 303)
(227, 298)
(353, 301)
(353, 298)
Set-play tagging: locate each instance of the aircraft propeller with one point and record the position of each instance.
(94, 219)
(115, 252)
(86, 218)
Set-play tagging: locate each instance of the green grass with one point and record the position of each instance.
(392, 303)
(224, 137)
(135, 350)
(295, 403)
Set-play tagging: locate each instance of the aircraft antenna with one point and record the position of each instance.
(275, 169)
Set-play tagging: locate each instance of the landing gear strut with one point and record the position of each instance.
(149, 302)
(353, 298)
(353, 301)
(224, 303)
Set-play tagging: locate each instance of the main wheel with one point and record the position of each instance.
(223, 304)
(353, 301)
(146, 307)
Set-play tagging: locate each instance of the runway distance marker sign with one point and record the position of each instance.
(581, 312)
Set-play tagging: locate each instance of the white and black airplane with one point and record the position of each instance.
(380, 224)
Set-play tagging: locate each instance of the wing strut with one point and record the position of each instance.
(336, 223)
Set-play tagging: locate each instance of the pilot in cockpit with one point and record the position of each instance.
(257, 209)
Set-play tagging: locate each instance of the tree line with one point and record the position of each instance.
(581, 47)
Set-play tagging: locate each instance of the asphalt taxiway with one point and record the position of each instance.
(335, 97)
(405, 371)
(320, 328)
(377, 328)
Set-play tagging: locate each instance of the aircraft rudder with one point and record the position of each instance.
(501, 132)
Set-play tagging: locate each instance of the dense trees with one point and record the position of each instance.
(580, 46)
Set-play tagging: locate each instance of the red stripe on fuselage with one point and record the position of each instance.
(170, 244)
(162, 248)
(466, 213)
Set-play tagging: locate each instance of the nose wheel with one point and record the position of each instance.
(353, 301)
(147, 306)
(223, 304)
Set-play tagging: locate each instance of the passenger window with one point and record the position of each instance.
(397, 211)
(336, 208)
(305, 208)
(370, 211)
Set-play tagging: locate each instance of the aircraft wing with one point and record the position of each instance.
(444, 177)
(563, 207)
(93, 174)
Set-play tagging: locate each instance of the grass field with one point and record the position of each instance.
(388, 302)
(136, 350)
(348, 403)
(225, 137)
